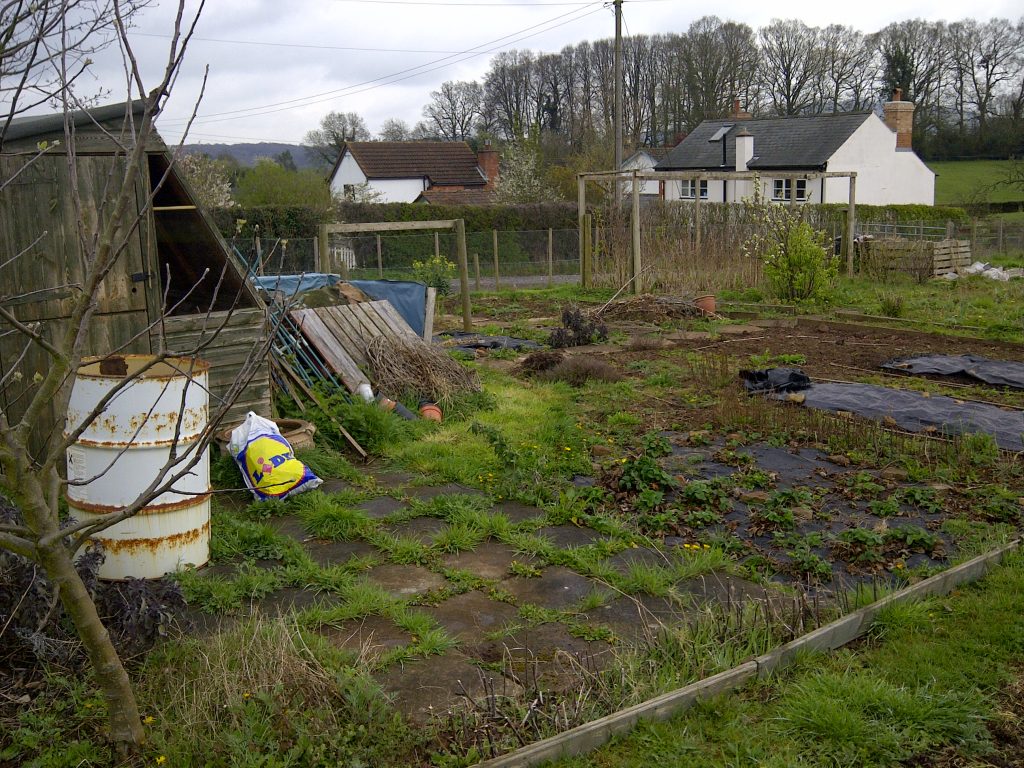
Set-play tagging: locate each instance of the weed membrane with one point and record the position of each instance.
(1002, 373)
(909, 410)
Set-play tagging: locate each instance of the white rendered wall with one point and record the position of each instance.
(641, 162)
(885, 176)
(391, 190)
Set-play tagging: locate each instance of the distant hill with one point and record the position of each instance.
(248, 154)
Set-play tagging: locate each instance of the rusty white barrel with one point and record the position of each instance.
(122, 451)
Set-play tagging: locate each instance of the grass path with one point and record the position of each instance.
(930, 686)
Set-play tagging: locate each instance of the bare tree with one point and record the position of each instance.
(792, 61)
(107, 222)
(335, 129)
(510, 89)
(394, 129)
(453, 110)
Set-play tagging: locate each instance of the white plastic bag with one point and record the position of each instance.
(267, 461)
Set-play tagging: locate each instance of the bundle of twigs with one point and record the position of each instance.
(650, 308)
(400, 367)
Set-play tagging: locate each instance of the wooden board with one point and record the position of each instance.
(341, 334)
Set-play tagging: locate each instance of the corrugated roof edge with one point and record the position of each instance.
(38, 125)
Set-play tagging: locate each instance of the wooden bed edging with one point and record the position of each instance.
(590, 736)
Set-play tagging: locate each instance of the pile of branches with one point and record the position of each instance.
(649, 308)
(401, 367)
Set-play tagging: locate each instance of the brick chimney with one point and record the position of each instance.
(488, 160)
(899, 116)
(737, 113)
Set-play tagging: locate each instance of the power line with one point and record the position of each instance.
(299, 45)
(393, 77)
(471, 4)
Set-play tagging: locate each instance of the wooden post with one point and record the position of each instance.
(635, 227)
(259, 256)
(428, 315)
(851, 223)
(581, 208)
(437, 245)
(476, 269)
(999, 234)
(551, 257)
(380, 259)
(344, 268)
(587, 253)
(323, 253)
(950, 229)
(317, 265)
(494, 234)
(460, 244)
(696, 217)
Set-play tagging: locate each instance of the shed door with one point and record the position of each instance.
(40, 238)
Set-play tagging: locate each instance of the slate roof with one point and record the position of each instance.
(449, 196)
(801, 143)
(445, 163)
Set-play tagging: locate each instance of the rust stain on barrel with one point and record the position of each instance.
(134, 546)
(149, 509)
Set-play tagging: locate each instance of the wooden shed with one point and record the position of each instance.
(174, 237)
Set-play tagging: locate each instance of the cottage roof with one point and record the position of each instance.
(803, 142)
(445, 163)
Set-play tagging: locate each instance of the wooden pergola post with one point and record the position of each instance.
(635, 231)
(851, 223)
(460, 246)
(581, 208)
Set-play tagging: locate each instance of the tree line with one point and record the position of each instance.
(966, 78)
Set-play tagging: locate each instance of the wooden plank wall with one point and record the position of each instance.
(244, 334)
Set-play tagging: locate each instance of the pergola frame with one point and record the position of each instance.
(637, 176)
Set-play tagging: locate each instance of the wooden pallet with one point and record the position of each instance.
(951, 256)
(340, 334)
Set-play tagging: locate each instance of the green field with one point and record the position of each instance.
(959, 181)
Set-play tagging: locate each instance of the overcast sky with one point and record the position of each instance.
(276, 67)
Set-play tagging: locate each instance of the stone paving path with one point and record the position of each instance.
(512, 621)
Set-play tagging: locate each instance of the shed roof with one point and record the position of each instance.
(32, 126)
(449, 196)
(445, 163)
(803, 142)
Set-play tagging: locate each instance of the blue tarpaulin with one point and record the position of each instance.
(408, 298)
(293, 284)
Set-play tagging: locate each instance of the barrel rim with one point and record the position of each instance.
(197, 365)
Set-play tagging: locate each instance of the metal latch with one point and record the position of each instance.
(141, 277)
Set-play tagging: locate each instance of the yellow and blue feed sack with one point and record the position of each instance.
(267, 461)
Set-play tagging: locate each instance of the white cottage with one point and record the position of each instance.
(879, 151)
(407, 171)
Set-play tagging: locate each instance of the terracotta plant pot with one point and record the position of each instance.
(430, 411)
(705, 304)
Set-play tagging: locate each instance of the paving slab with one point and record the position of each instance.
(516, 512)
(380, 507)
(393, 478)
(556, 588)
(431, 687)
(372, 635)
(336, 486)
(292, 599)
(727, 590)
(290, 526)
(423, 529)
(472, 614)
(637, 619)
(327, 553)
(405, 580)
(546, 654)
(490, 560)
(565, 536)
(426, 492)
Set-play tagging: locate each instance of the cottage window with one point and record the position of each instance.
(688, 188)
(349, 191)
(782, 189)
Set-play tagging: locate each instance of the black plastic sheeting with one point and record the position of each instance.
(408, 298)
(469, 342)
(909, 410)
(1003, 373)
(775, 380)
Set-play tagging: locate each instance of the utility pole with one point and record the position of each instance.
(618, 97)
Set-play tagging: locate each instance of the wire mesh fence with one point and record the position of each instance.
(277, 256)
(495, 257)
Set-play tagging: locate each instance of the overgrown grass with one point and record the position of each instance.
(926, 680)
(961, 181)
